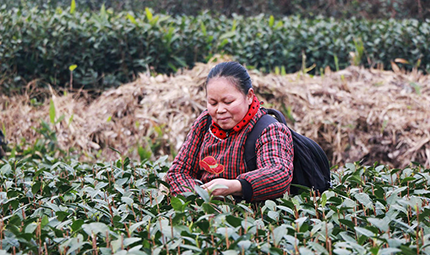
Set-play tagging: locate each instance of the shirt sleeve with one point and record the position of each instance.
(184, 171)
(274, 173)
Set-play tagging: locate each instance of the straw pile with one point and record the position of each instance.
(355, 114)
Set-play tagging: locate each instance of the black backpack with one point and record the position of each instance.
(311, 165)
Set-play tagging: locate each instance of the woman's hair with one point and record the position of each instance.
(234, 72)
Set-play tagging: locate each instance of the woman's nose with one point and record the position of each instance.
(221, 109)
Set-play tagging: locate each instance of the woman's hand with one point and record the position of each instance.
(234, 187)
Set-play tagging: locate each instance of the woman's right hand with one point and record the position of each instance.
(225, 187)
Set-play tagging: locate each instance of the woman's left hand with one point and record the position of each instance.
(234, 187)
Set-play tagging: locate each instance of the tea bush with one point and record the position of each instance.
(106, 48)
(61, 206)
(340, 9)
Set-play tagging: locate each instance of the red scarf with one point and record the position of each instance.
(220, 133)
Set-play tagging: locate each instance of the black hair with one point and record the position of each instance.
(234, 72)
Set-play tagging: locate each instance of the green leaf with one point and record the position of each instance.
(382, 224)
(342, 252)
(233, 28)
(203, 28)
(115, 150)
(71, 119)
(278, 233)
(364, 232)
(269, 204)
(52, 111)
(305, 251)
(347, 222)
(392, 197)
(227, 35)
(364, 199)
(30, 227)
(190, 247)
(36, 187)
(202, 193)
(389, 251)
(323, 199)
(177, 204)
(131, 240)
(72, 7)
(77, 224)
(318, 248)
(95, 227)
(61, 215)
(61, 118)
(131, 18)
(6, 169)
(286, 209)
(230, 252)
(273, 215)
(347, 238)
(425, 214)
(407, 250)
(271, 21)
(180, 61)
(148, 14)
(223, 43)
(300, 221)
(208, 208)
(44, 221)
(135, 226)
(234, 221)
(72, 67)
(76, 243)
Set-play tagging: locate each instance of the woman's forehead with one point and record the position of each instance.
(223, 83)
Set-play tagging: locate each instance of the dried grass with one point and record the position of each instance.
(354, 114)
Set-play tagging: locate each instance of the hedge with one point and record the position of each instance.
(109, 48)
(340, 9)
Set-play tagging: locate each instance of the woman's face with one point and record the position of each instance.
(227, 105)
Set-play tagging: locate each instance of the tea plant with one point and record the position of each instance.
(107, 48)
(57, 206)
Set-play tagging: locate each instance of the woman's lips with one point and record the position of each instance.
(223, 119)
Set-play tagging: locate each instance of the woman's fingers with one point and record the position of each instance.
(222, 187)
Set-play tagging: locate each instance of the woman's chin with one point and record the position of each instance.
(225, 126)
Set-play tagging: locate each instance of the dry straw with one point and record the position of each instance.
(354, 114)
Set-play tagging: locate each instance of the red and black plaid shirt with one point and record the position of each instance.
(274, 151)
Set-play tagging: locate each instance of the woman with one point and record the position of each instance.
(214, 155)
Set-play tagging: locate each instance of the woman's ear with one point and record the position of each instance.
(250, 96)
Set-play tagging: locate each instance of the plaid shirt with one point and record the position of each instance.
(274, 151)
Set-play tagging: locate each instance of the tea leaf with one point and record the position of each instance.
(202, 193)
(52, 111)
(72, 68)
(72, 6)
(148, 14)
(364, 232)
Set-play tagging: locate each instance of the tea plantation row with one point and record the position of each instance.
(55, 206)
(339, 9)
(109, 48)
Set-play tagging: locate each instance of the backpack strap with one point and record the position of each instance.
(250, 156)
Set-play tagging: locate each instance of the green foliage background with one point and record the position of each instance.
(61, 206)
(339, 9)
(110, 48)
